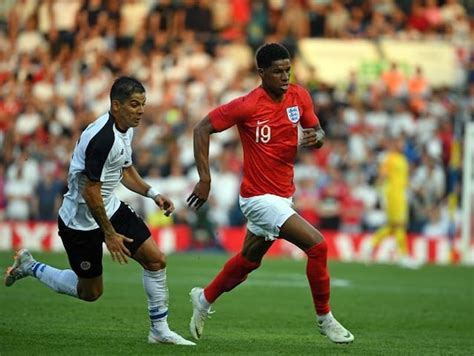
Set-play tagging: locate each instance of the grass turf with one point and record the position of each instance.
(391, 311)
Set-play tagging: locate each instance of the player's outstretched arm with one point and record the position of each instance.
(113, 240)
(132, 180)
(202, 133)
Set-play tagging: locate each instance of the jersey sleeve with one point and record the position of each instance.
(129, 160)
(308, 117)
(229, 114)
(96, 154)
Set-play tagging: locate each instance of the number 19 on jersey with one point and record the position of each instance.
(263, 134)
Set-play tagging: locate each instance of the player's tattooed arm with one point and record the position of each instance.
(92, 196)
(113, 240)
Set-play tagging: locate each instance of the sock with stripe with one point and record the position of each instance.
(318, 277)
(235, 271)
(156, 290)
(62, 281)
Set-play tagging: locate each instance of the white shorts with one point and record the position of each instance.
(266, 214)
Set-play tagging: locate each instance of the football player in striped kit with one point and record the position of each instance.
(91, 215)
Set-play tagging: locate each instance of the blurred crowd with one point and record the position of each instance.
(58, 59)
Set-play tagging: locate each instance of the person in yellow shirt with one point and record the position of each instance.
(394, 175)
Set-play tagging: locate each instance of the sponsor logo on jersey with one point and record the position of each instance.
(293, 113)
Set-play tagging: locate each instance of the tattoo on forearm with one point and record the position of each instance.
(100, 216)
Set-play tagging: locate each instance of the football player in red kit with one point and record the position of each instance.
(267, 119)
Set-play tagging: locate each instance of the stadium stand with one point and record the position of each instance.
(57, 59)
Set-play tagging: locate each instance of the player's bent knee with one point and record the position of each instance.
(318, 250)
(90, 296)
(313, 238)
(154, 266)
(90, 290)
(150, 257)
(317, 236)
(156, 263)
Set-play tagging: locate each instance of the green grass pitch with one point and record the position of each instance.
(391, 311)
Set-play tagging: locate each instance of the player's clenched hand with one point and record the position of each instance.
(199, 195)
(165, 204)
(313, 137)
(115, 245)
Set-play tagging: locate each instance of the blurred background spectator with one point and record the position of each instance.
(58, 59)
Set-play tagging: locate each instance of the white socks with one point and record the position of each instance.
(154, 282)
(61, 281)
(156, 291)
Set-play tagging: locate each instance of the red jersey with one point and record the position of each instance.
(269, 134)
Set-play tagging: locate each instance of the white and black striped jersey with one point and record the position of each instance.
(101, 153)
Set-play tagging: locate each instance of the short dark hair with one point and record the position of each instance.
(270, 52)
(124, 87)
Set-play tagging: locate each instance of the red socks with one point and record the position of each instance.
(235, 271)
(318, 277)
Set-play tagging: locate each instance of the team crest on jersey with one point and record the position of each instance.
(293, 113)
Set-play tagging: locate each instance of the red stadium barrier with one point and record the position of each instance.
(347, 247)
(342, 246)
(38, 236)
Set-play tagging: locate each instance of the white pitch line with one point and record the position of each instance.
(293, 283)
